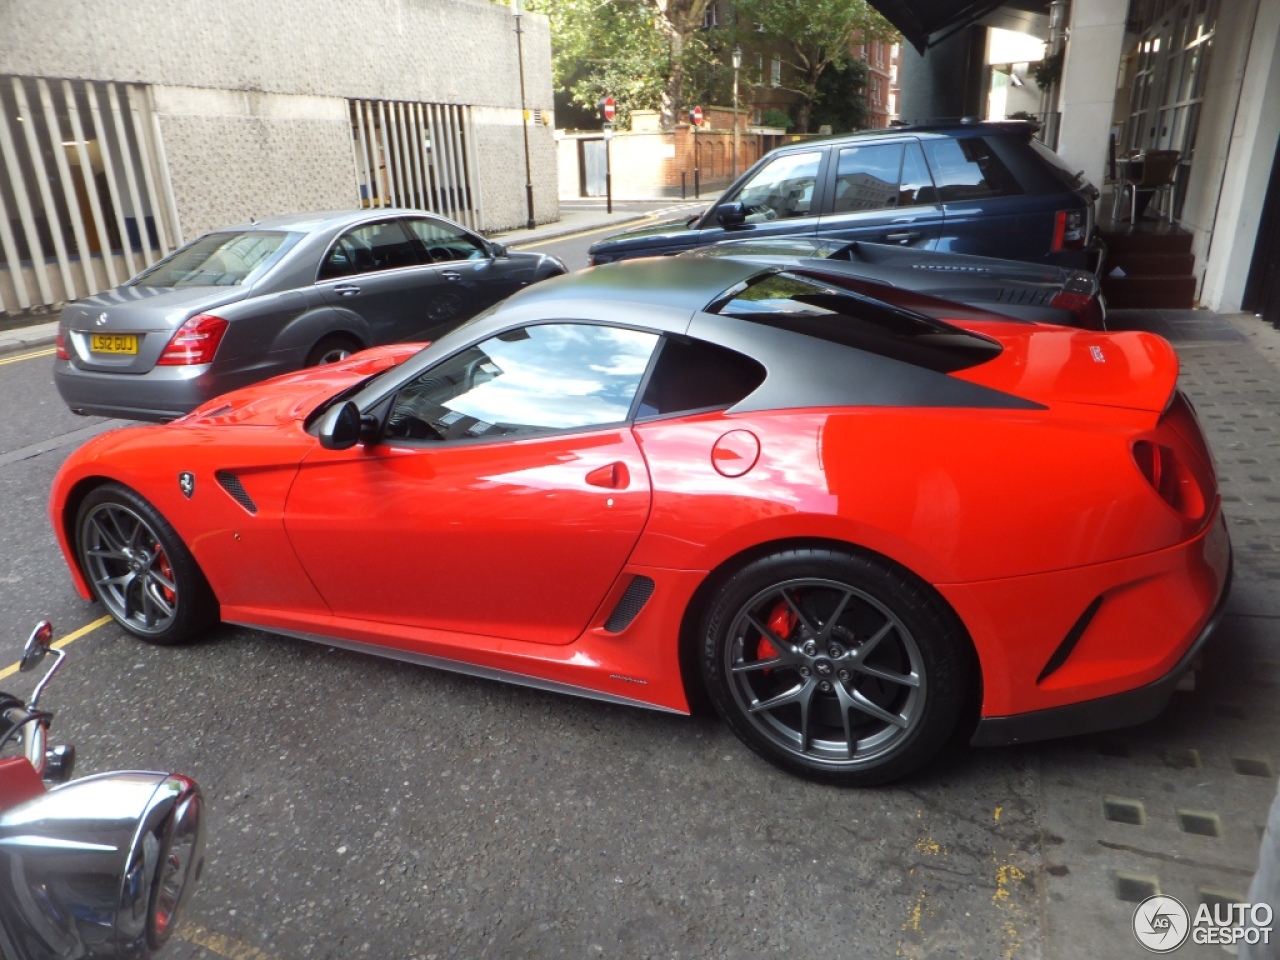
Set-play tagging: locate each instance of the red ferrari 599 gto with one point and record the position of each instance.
(852, 527)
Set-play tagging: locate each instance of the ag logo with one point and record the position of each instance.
(1161, 924)
(187, 483)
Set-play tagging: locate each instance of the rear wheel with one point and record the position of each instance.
(332, 349)
(836, 666)
(140, 569)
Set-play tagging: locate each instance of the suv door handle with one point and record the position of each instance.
(346, 290)
(451, 275)
(904, 237)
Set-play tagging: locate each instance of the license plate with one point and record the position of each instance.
(113, 343)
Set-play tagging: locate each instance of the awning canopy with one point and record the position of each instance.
(928, 22)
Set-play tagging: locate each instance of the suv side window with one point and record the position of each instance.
(966, 169)
(867, 177)
(917, 185)
(782, 189)
(369, 248)
(550, 376)
(442, 242)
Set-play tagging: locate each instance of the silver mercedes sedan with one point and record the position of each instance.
(251, 301)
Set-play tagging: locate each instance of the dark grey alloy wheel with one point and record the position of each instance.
(140, 569)
(838, 667)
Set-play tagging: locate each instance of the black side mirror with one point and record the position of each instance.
(732, 214)
(340, 427)
(497, 249)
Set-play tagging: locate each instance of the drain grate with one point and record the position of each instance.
(1200, 822)
(1180, 759)
(1135, 887)
(1217, 897)
(1118, 810)
(1252, 767)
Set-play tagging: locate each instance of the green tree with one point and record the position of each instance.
(812, 36)
(841, 100)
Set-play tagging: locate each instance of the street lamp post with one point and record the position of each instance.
(737, 65)
(524, 117)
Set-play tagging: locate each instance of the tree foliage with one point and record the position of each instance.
(811, 36)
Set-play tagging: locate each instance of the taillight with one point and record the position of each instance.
(1169, 477)
(60, 347)
(195, 342)
(1070, 230)
(1086, 308)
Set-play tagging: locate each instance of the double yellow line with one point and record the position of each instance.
(71, 637)
(27, 356)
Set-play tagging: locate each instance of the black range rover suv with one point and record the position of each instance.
(989, 189)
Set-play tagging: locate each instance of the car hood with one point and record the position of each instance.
(1054, 365)
(294, 396)
(143, 309)
(664, 232)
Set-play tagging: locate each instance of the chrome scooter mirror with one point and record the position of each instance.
(37, 646)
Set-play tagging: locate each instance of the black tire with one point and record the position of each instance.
(841, 644)
(139, 569)
(332, 349)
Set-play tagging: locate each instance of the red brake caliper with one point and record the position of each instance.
(166, 571)
(781, 621)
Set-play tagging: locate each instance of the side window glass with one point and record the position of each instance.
(442, 242)
(555, 376)
(781, 189)
(917, 185)
(966, 169)
(867, 178)
(693, 375)
(369, 248)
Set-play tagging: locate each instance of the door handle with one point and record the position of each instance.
(451, 275)
(903, 237)
(613, 476)
(346, 290)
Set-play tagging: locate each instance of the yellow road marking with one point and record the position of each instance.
(220, 943)
(69, 638)
(29, 356)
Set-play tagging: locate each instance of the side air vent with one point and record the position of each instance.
(1070, 640)
(231, 483)
(629, 606)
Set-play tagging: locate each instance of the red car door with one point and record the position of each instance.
(518, 536)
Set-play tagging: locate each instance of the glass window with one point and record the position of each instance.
(966, 169)
(917, 185)
(555, 376)
(370, 248)
(867, 178)
(693, 375)
(782, 189)
(217, 260)
(443, 242)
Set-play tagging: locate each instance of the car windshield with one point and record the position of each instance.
(216, 260)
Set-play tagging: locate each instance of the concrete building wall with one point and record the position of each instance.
(250, 96)
(1088, 88)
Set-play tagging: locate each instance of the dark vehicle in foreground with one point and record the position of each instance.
(857, 529)
(1041, 293)
(100, 867)
(252, 301)
(987, 189)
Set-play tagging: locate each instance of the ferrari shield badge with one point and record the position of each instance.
(187, 483)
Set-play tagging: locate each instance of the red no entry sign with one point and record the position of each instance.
(695, 115)
(607, 109)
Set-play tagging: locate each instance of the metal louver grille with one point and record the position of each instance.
(638, 593)
(231, 483)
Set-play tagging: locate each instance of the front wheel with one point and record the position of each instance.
(835, 666)
(140, 569)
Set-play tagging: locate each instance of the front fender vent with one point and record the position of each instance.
(638, 592)
(229, 482)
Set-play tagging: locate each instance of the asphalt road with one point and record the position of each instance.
(362, 807)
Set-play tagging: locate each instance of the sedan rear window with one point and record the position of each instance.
(215, 260)
(815, 308)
